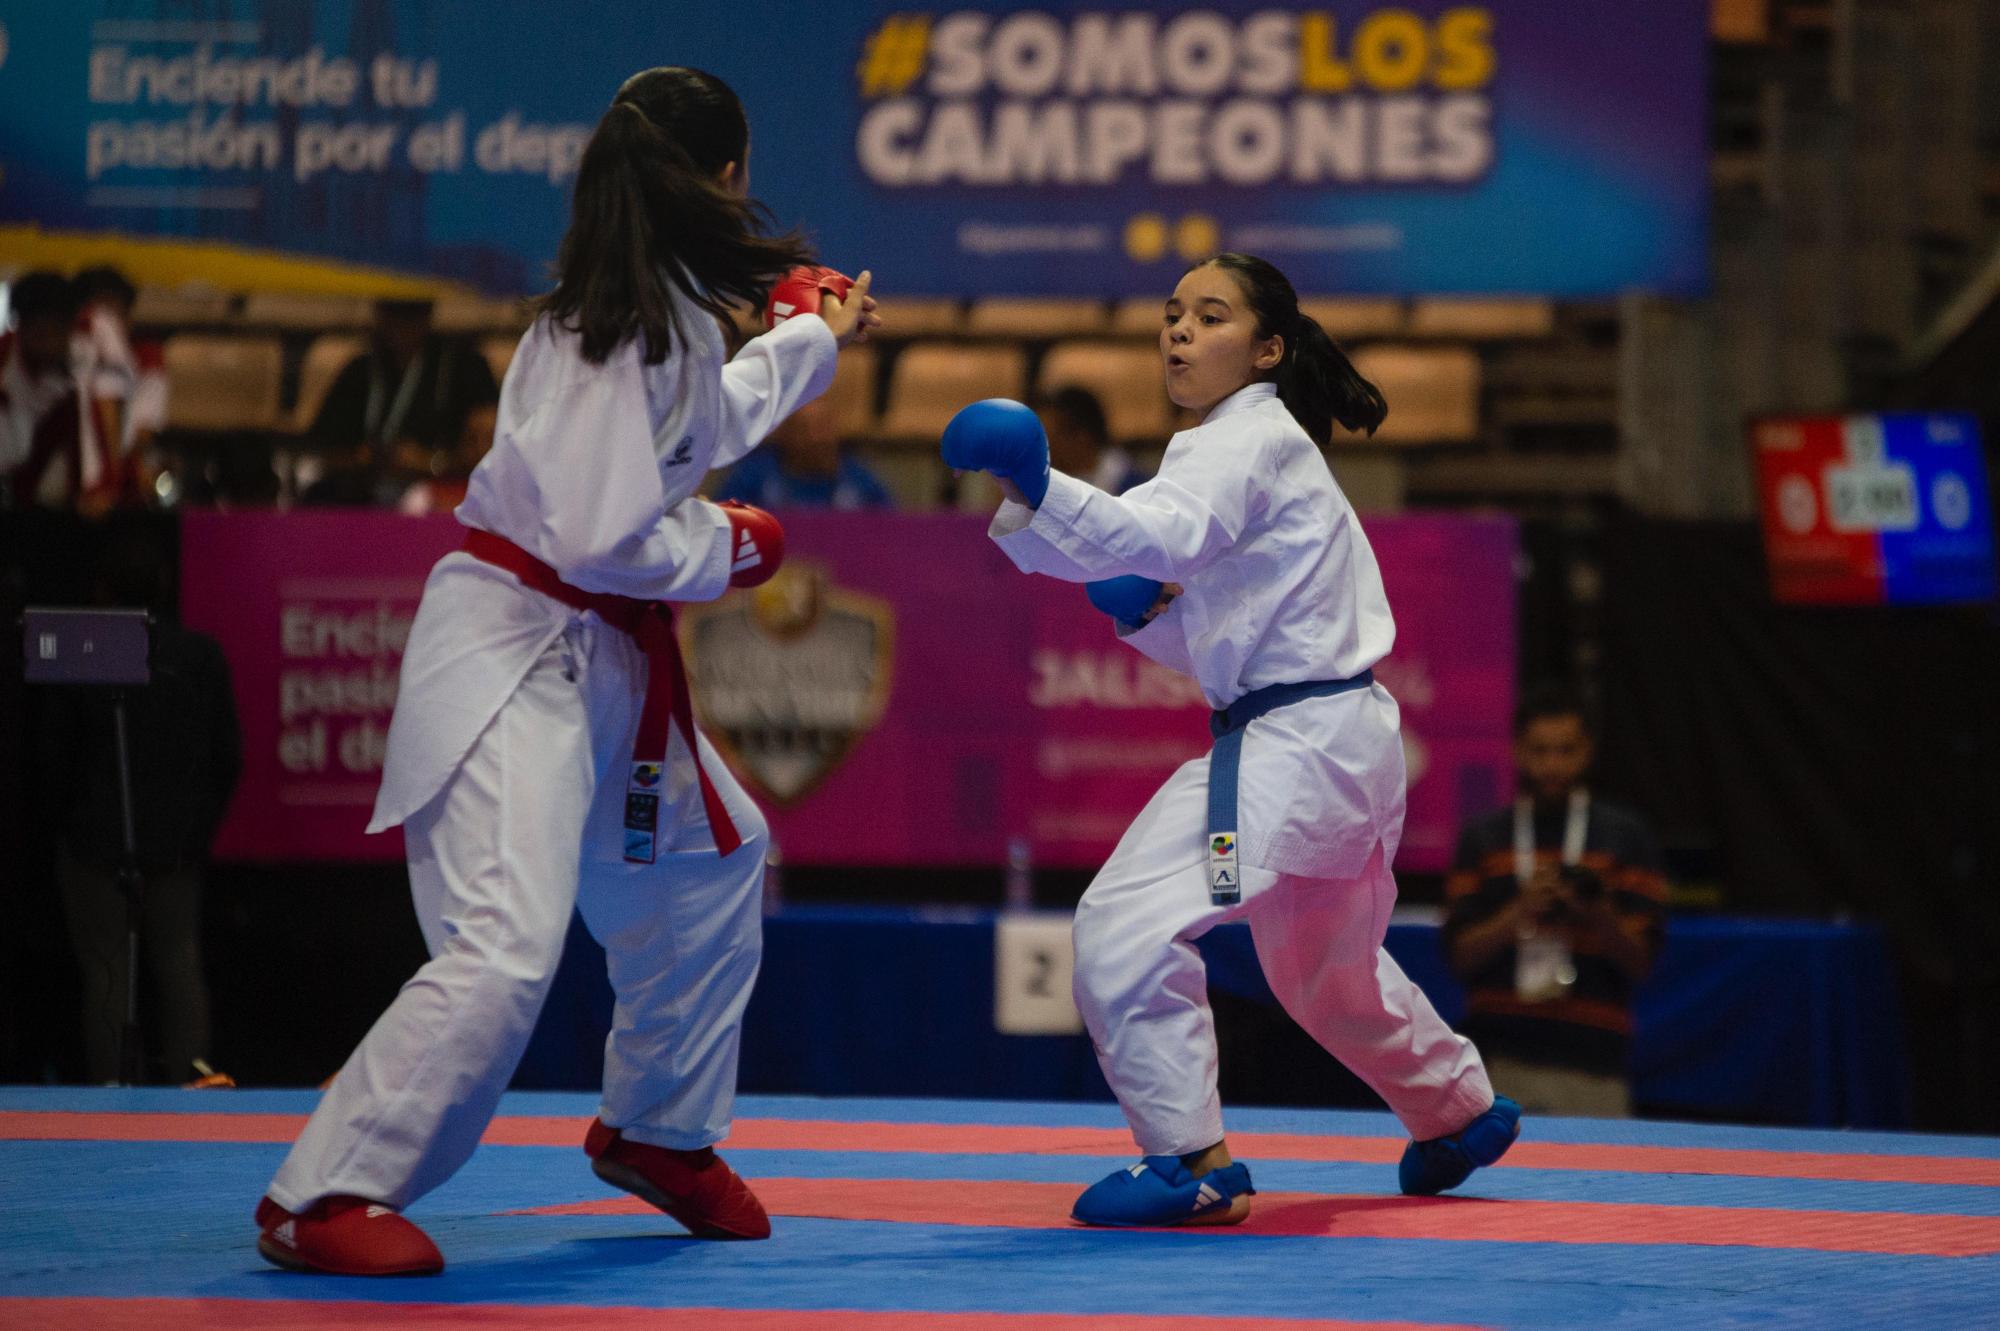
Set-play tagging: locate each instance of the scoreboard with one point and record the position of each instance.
(1882, 509)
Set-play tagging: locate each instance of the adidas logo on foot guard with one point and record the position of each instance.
(1160, 1191)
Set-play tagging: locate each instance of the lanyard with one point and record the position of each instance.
(378, 428)
(1575, 828)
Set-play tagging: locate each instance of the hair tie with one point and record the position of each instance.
(636, 110)
(1295, 329)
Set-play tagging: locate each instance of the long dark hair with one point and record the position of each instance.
(648, 216)
(1316, 381)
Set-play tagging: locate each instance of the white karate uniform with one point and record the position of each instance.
(1281, 587)
(507, 764)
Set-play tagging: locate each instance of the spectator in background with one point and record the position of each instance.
(41, 413)
(802, 466)
(1080, 441)
(186, 754)
(124, 384)
(1554, 913)
(444, 491)
(396, 407)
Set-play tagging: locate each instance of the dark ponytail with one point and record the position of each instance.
(1316, 381)
(649, 217)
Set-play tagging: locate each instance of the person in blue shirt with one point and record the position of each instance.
(804, 468)
(1080, 440)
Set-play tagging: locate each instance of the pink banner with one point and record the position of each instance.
(899, 695)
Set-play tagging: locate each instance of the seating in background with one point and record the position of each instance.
(290, 309)
(1483, 320)
(170, 307)
(930, 381)
(1126, 379)
(222, 383)
(499, 354)
(1035, 317)
(1436, 390)
(1140, 316)
(1345, 317)
(324, 360)
(1433, 393)
(852, 395)
(477, 314)
(920, 316)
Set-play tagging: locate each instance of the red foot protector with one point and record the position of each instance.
(694, 1187)
(345, 1236)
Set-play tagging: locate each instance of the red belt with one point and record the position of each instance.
(668, 702)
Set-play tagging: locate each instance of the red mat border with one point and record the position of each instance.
(101, 1314)
(1007, 1204)
(1017, 1139)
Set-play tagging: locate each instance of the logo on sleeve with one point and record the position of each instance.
(683, 452)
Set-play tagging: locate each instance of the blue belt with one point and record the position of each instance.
(1225, 882)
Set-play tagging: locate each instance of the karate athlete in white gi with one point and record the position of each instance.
(539, 758)
(1242, 565)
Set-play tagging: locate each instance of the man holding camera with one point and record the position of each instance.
(1554, 912)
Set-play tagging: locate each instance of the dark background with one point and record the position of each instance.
(1803, 762)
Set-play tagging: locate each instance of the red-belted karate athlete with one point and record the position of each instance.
(543, 753)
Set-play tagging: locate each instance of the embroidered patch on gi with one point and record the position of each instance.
(1225, 880)
(645, 776)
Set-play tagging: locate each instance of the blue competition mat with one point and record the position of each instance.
(132, 1208)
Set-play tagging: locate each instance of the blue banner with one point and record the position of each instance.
(1553, 147)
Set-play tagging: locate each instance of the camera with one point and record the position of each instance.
(1585, 886)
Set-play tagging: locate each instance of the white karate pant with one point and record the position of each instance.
(1143, 990)
(529, 826)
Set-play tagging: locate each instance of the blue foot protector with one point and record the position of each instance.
(1160, 1191)
(1430, 1167)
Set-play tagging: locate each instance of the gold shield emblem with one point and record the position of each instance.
(789, 676)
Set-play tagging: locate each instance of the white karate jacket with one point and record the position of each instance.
(593, 470)
(1281, 587)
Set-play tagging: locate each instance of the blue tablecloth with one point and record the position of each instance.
(1776, 1021)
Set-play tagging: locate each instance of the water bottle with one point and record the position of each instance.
(774, 880)
(1020, 878)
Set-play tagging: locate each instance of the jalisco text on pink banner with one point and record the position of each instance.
(900, 695)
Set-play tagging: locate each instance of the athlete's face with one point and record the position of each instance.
(1553, 753)
(1210, 341)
